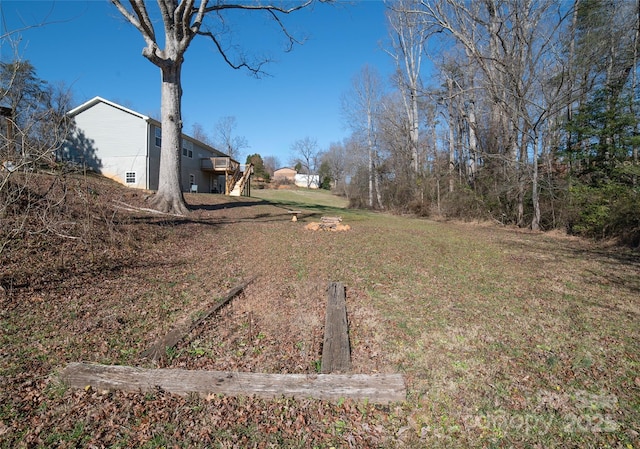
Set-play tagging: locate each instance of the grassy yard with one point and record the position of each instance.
(506, 338)
(301, 197)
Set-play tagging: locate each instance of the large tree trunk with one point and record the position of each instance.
(535, 196)
(169, 197)
(415, 129)
(376, 179)
(521, 165)
(473, 140)
(372, 168)
(452, 149)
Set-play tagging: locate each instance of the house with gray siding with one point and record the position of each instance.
(124, 145)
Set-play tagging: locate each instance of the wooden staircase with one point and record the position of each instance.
(241, 180)
(235, 175)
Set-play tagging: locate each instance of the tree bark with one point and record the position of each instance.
(169, 197)
(372, 168)
(473, 140)
(535, 223)
(452, 149)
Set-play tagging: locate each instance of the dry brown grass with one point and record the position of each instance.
(506, 338)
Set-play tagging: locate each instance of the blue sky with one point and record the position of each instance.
(88, 46)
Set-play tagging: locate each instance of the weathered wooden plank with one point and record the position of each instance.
(377, 388)
(336, 352)
(330, 219)
(159, 349)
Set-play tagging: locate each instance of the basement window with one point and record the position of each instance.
(130, 177)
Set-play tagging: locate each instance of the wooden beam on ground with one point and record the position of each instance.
(336, 352)
(330, 223)
(376, 388)
(159, 348)
(331, 220)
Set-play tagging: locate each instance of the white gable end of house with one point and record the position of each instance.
(113, 141)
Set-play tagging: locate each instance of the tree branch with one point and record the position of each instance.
(140, 20)
(292, 40)
(272, 8)
(255, 69)
(140, 9)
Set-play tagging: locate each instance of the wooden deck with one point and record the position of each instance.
(219, 164)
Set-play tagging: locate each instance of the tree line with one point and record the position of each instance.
(529, 116)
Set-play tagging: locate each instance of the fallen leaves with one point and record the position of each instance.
(140, 275)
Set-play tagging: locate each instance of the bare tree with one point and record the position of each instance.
(307, 154)
(33, 129)
(225, 139)
(337, 162)
(34, 122)
(271, 164)
(480, 30)
(183, 20)
(408, 35)
(361, 107)
(511, 42)
(198, 133)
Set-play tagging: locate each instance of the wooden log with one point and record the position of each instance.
(158, 350)
(377, 388)
(330, 223)
(329, 220)
(336, 352)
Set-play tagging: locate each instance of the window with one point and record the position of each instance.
(130, 177)
(158, 136)
(187, 148)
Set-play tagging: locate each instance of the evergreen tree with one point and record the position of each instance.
(602, 129)
(259, 169)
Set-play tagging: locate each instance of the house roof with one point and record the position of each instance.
(95, 100)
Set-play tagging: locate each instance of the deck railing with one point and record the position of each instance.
(225, 164)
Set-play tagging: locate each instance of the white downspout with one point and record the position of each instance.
(148, 158)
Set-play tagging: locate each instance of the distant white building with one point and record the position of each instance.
(124, 145)
(310, 181)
